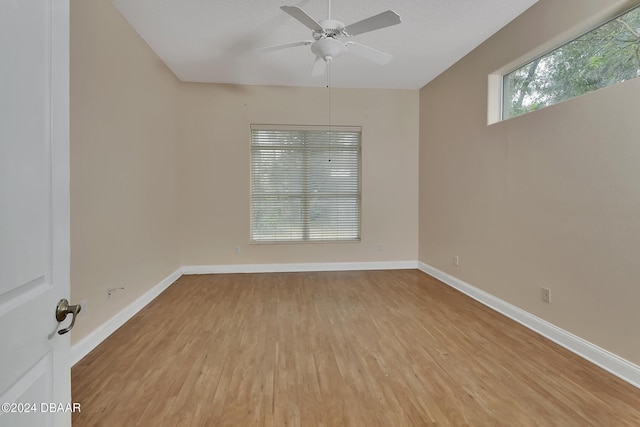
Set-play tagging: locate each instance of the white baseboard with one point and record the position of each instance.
(298, 267)
(91, 341)
(608, 361)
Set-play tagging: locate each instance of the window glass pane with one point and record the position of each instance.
(277, 171)
(277, 219)
(333, 171)
(333, 218)
(608, 55)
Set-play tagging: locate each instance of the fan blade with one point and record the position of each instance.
(366, 52)
(319, 67)
(381, 20)
(285, 45)
(302, 16)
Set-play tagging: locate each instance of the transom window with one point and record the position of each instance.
(602, 57)
(305, 183)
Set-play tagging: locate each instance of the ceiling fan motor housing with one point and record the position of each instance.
(331, 28)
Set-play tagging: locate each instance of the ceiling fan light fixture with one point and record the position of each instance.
(328, 48)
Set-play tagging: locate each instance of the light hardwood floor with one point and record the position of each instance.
(372, 348)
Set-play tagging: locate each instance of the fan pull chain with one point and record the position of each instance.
(330, 101)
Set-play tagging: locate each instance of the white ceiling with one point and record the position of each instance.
(215, 41)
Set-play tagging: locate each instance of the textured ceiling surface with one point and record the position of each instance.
(215, 41)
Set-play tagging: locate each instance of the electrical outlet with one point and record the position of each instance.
(546, 295)
(456, 261)
(84, 308)
(236, 250)
(379, 247)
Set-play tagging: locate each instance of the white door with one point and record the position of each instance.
(34, 211)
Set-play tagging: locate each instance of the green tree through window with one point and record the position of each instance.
(602, 57)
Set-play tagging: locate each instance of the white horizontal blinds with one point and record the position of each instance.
(305, 183)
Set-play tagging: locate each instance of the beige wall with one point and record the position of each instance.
(160, 177)
(551, 198)
(214, 170)
(123, 176)
(160, 168)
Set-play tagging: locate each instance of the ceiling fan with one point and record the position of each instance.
(331, 38)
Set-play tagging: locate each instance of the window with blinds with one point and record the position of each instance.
(305, 183)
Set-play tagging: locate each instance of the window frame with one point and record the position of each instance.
(306, 196)
(495, 83)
